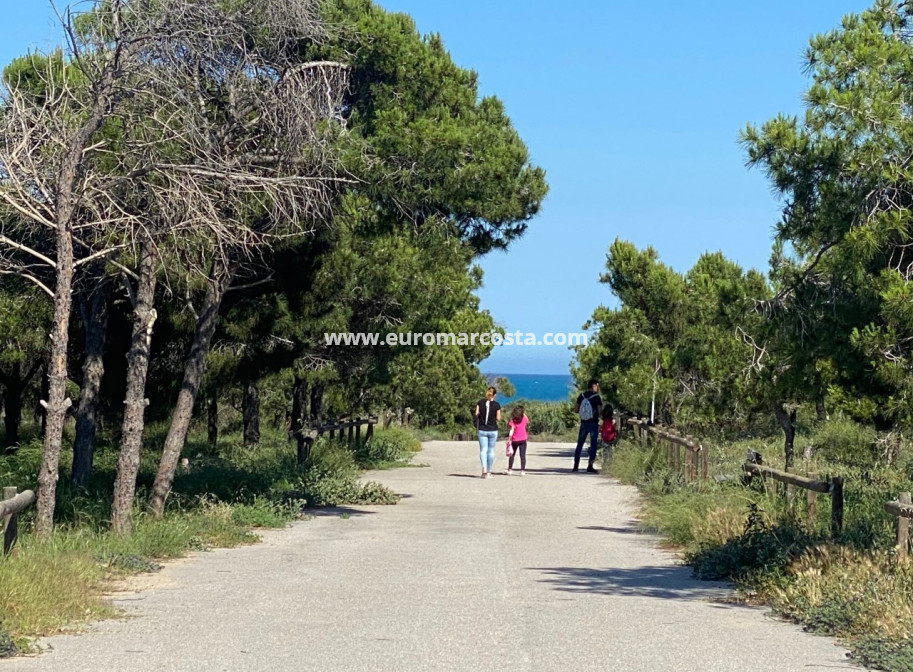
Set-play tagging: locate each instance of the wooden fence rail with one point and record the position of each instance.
(902, 509)
(306, 436)
(834, 486)
(694, 465)
(10, 507)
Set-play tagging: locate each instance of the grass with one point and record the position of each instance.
(56, 585)
(228, 490)
(854, 586)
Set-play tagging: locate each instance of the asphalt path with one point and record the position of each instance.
(544, 572)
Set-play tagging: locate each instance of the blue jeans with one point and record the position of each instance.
(487, 441)
(591, 429)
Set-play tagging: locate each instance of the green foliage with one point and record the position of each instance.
(841, 320)
(873, 651)
(549, 420)
(55, 584)
(846, 442)
(676, 336)
(331, 479)
(762, 547)
(263, 512)
(445, 153)
(504, 387)
(388, 447)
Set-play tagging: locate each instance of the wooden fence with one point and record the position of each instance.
(348, 431)
(10, 507)
(812, 486)
(903, 511)
(693, 467)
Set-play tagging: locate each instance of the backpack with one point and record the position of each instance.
(585, 411)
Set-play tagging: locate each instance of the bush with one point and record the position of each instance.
(761, 548)
(330, 478)
(843, 441)
(548, 419)
(388, 447)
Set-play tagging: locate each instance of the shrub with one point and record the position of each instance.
(263, 512)
(387, 447)
(843, 441)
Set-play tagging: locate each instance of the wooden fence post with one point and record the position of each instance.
(351, 434)
(304, 447)
(811, 505)
(358, 431)
(770, 486)
(903, 528)
(10, 524)
(370, 431)
(791, 499)
(836, 506)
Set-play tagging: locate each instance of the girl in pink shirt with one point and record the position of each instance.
(517, 437)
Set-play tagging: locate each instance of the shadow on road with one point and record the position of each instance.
(548, 471)
(336, 511)
(558, 452)
(667, 583)
(617, 530)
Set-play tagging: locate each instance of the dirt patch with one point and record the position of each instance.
(143, 581)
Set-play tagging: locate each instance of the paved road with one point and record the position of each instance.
(545, 573)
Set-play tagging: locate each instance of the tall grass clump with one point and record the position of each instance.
(387, 448)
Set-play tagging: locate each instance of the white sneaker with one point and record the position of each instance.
(508, 472)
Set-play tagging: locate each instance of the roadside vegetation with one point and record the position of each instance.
(854, 586)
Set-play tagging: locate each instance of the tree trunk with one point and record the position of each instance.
(65, 204)
(250, 412)
(57, 402)
(787, 422)
(299, 400)
(820, 410)
(135, 402)
(194, 369)
(212, 426)
(41, 414)
(96, 326)
(316, 412)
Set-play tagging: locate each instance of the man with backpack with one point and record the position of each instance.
(587, 408)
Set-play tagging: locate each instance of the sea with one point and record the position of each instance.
(535, 387)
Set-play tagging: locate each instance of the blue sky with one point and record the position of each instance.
(633, 109)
